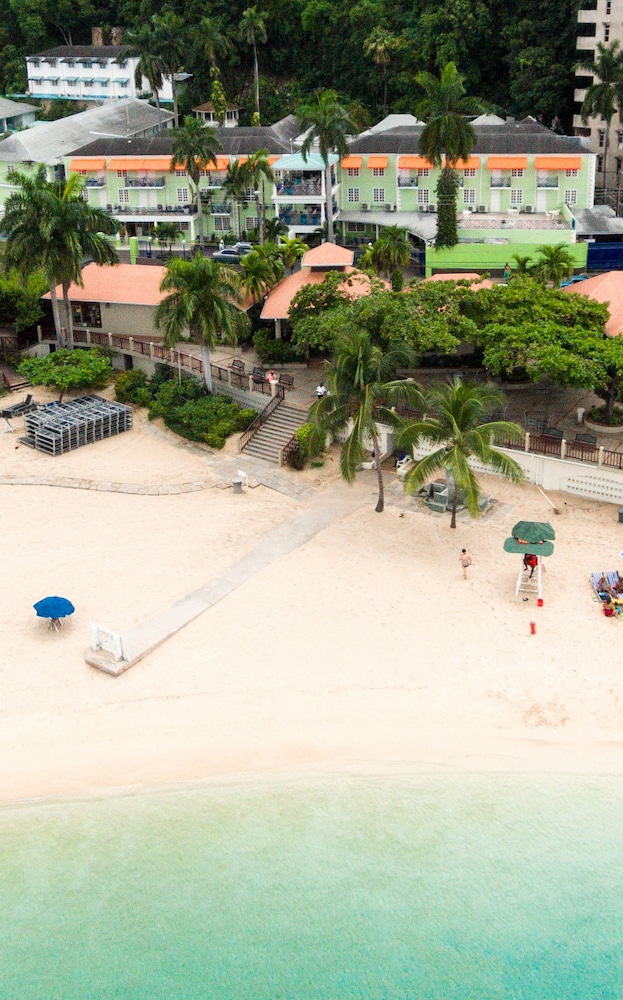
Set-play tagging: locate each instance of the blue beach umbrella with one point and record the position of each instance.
(54, 607)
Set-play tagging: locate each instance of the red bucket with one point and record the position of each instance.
(539, 602)
(532, 628)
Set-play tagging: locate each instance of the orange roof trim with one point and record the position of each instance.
(377, 162)
(352, 161)
(413, 163)
(156, 163)
(88, 163)
(124, 163)
(558, 162)
(507, 162)
(472, 163)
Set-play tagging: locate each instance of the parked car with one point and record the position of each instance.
(232, 255)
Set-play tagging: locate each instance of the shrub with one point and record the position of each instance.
(211, 419)
(296, 458)
(271, 351)
(598, 416)
(310, 441)
(79, 369)
(129, 384)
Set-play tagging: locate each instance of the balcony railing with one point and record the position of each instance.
(144, 182)
(222, 209)
(547, 182)
(298, 186)
(154, 210)
(95, 182)
(408, 182)
(500, 182)
(300, 219)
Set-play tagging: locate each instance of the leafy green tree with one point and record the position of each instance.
(446, 138)
(604, 98)
(460, 430)
(195, 145)
(327, 124)
(20, 298)
(144, 44)
(253, 32)
(50, 227)
(203, 302)
(380, 46)
(258, 171)
(219, 102)
(554, 264)
(362, 389)
(390, 252)
(68, 370)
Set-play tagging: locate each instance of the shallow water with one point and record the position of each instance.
(442, 887)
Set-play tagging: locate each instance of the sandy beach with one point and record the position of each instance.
(364, 649)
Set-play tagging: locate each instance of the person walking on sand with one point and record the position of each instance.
(466, 561)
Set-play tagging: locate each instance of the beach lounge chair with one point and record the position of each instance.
(612, 578)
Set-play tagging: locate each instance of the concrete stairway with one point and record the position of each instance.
(276, 432)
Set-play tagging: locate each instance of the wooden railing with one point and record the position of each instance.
(261, 418)
(289, 449)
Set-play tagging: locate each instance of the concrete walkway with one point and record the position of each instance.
(137, 641)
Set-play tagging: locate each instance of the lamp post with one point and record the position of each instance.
(184, 248)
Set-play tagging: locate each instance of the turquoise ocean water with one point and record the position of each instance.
(457, 887)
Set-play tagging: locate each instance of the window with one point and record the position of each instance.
(122, 173)
(353, 194)
(422, 196)
(606, 32)
(204, 173)
(618, 162)
(600, 164)
(469, 196)
(620, 139)
(123, 63)
(602, 138)
(249, 194)
(571, 173)
(352, 171)
(378, 171)
(87, 314)
(124, 196)
(516, 196)
(355, 227)
(469, 172)
(222, 223)
(180, 173)
(102, 63)
(86, 63)
(517, 172)
(571, 197)
(608, 6)
(35, 62)
(378, 195)
(182, 195)
(183, 226)
(423, 171)
(250, 222)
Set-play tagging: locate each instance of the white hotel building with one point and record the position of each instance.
(88, 73)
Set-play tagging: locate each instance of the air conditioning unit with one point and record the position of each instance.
(388, 208)
(432, 208)
(528, 208)
(482, 208)
(422, 208)
(364, 207)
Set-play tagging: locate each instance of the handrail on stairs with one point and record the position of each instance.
(261, 418)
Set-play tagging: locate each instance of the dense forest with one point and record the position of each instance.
(517, 57)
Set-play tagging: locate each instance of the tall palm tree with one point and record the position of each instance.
(275, 228)
(169, 32)
(461, 430)
(49, 225)
(379, 46)
(194, 146)
(292, 250)
(327, 124)
(390, 252)
(446, 138)
(362, 389)
(203, 302)
(258, 171)
(259, 272)
(211, 42)
(235, 185)
(143, 44)
(605, 98)
(554, 263)
(253, 32)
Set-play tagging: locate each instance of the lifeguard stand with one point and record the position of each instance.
(533, 538)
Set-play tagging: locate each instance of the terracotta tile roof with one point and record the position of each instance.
(277, 305)
(606, 288)
(328, 255)
(127, 284)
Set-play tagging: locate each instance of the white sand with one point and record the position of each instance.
(365, 649)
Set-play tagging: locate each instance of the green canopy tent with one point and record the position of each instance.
(533, 538)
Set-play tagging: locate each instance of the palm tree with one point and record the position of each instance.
(150, 66)
(194, 146)
(379, 45)
(211, 42)
(275, 228)
(446, 138)
(460, 433)
(327, 124)
(253, 32)
(602, 100)
(165, 232)
(391, 251)
(169, 29)
(258, 171)
(361, 391)
(235, 185)
(555, 263)
(525, 264)
(49, 225)
(292, 250)
(203, 299)
(259, 273)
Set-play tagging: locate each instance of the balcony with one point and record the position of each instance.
(301, 219)
(547, 182)
(500, 182)
(143, 182)
(223, 209)
(155, 210)
(408, 182)
(299, 185)
(95, 182)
